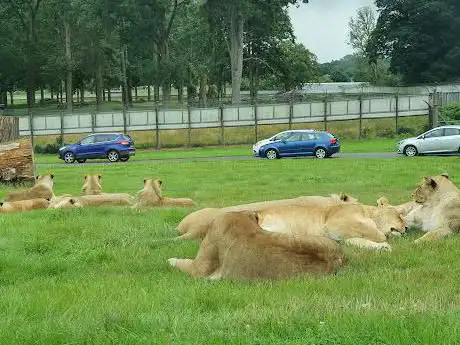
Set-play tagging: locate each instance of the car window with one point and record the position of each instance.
(295, 137)
(283, 136)
(88, 140)
(451, 131)
(101, 138)
(309, 136)
(434, 134)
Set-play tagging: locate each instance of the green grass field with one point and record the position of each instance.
(370, 145)
(97, 276)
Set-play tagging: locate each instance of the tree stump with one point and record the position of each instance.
(16, 155)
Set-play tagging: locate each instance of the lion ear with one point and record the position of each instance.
(1, 203)
(429, 181)
(72, 201)
(86, 177)
(344, 196)
(160, 182)
(381, 202)
(145, 180)
(446, 175)
(52, 176)
(37, 177)
(254, 216)
(99, 177)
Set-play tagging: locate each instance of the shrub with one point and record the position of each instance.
(385, 132)
(451, 112)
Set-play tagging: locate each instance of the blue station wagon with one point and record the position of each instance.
(113, 146)
(320, 144)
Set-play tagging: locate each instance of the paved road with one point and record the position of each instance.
(226, 158)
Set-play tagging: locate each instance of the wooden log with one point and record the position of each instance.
(9, 128)
(17, 162)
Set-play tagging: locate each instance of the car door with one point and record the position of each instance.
(307, 144)
(86, 146)
(432, 141)
(290, 146)
(102, 143)
(451, 139)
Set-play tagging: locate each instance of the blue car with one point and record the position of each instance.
(113, 146)
(320, 144)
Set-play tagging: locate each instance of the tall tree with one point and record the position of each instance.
(361, 28)
(233, 16)
(421, 37)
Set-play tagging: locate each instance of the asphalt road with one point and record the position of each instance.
(226, 158)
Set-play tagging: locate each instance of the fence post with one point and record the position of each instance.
(157, 128)
(325, 113)
(189, 111)
(93, 121)
(435, 110)
(62, 127)
(255, 123)
(291, 113)
(397, 114)
(222, 130)
(360, 116)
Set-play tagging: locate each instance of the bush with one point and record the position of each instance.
(49, 148)
(406, 130)
(385, 132)
(451, 112)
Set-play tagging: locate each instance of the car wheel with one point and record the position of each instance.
(271, 154)
(410, 151)
(81, 160)
(124, 159)
(320, 153)
(113, 156)
(69, 157)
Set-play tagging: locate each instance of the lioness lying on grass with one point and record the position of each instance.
(150, 196)
(43, 189)
(195, 224)
(439, 210)
(23, 205)
(92, 185)
(236, 247)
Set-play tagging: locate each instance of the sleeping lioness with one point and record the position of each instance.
(92, 185)
(235, 247)
(43, 189)
(23, 205)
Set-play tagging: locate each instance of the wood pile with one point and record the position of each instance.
(16, 155)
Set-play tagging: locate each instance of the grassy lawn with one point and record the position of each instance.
(97, 276)
(370, 145)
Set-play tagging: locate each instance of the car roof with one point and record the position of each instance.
(448, 126)
(106, 134)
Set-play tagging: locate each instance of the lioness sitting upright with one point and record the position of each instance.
(236, 247)
(92, 185)
(43, 189)
(150, 196)
(439, 214)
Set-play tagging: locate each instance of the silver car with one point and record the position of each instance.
(445, 139)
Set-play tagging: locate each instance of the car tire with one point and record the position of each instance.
(410, 151)
(321, 153)
(271, 154)
(113, 156)
(81, 160)
(124, 159)
(69, 157)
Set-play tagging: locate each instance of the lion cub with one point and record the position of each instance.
(151, 196)
(43, 189)
(23, 205)
(236, 247)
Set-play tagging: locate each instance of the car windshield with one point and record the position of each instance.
(87, 140)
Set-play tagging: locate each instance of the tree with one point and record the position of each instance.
(361, 28)
(233, 15)
(420, 37)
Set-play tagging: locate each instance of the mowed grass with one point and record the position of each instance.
(98, 276)
(351, 146)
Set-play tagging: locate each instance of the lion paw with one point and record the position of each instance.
(172, 262)
(385, 247)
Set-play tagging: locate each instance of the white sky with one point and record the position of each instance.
(322, 26)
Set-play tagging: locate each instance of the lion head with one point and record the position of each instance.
(433, 187)
(389, 219)
(92, 185)
(47, 180)
(153, 186)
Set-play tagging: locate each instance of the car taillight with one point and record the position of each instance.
(123, 142)
(333, 141)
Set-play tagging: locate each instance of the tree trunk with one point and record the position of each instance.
(99, 85)
(68, 54)
(203, 84)
(135, 93)
(82, 94)
(42, 95)
(236, 53)
(156, 93)
(180, 93)
(149, 94)
(109, 95)
(164, 63)
(11, 98)
(125, 97)
(103, 94)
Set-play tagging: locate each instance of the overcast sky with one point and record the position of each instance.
(322, 26)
